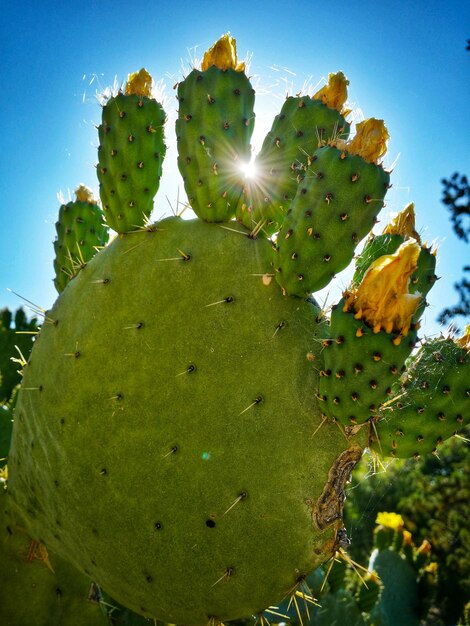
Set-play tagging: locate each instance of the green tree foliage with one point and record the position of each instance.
(456, 197)
(433, 496)
(16, 336)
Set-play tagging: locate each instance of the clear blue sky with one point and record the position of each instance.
(406, 62)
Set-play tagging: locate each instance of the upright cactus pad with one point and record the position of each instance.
(214, 127)
(130, 154)
(334, 208)
(176, 436)
(303, 124)
(373, 330)
(80, 231)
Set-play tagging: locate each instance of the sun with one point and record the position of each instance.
(249, 169)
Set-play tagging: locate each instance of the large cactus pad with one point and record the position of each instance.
(177, 417)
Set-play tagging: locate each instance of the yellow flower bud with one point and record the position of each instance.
(84, 194)
(139, 84)
(335, 93)
(407, 538)
(403, 224)
(223, 54)
(382, 299)
(370, 140)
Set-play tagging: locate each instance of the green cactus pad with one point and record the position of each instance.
(214, 127)
(130, 156)
(431, 404)
(360, 367)
(168, 439)
(400, 595)
(80, 230)
(302, 125)
(334, 208)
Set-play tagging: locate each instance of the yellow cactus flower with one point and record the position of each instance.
(139, 84)
(464, 341)
(370, 140)
(84, 194)
(223, 54)
(403, 224)
(382, 299)
(335, 93)
(390, 520)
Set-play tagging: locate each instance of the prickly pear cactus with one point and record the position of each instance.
(172, 437)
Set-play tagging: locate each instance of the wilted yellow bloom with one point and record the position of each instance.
(390, 520)
(335, 93)
(84, 194)
(464, 341)
(223, 54)
(403, 224)
(382, 299)
(139, 84)
(425, 547)
(370, 140)
(431, 568)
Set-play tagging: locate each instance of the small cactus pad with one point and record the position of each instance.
(176, 416)
(303, 124)
(334, 208)
(130, 154)
(431, 404)
(214, 127)
(80, 231)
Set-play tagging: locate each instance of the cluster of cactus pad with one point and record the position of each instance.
(189, 416)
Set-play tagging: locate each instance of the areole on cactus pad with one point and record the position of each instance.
(177, 436)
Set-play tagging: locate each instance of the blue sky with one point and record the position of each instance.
(406, 63)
